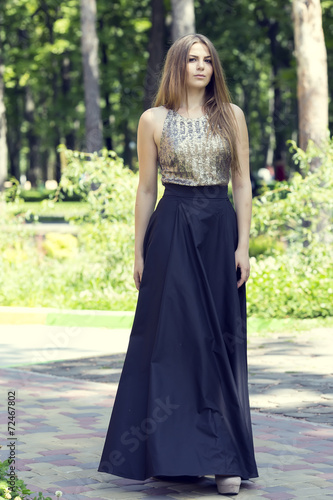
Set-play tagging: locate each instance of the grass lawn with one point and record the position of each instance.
(265, 326)
(124, 319)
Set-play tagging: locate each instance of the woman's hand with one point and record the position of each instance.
(243, 262)
(138, 270)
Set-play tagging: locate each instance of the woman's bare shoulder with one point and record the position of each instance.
(153, 116)
(237, 110)
(239, 117)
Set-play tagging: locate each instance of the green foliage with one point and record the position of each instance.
(18, 490)
(44, 194)
(15, 192)
(35, 195)
(43, 67)
(49, 209)
(255, 44)
(103, 182)
(296, 285)
(298, 282)
(99, 276)
(123, 36)
(291, 262)
(265, 245)
(60, 246)
(300, 211)
(41, 48)
(86, 282)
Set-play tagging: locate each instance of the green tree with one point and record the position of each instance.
(43, 73)
(255, 43)
(41, 50)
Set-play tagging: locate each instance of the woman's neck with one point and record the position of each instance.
(195, 100)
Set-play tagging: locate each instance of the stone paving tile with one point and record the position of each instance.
(303, 391)
(290, 373)
(279, 496)
(294, 456)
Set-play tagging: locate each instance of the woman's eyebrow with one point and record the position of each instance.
(206, 57)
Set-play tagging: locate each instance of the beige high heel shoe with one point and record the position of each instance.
(228, 485)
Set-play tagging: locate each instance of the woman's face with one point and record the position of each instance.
(199, 67)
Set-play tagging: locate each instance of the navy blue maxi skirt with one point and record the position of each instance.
(182, 405)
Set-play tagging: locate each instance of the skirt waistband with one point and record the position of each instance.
(211, 191)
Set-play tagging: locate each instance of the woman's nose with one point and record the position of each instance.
(199, 63)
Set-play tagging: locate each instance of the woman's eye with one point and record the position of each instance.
(191, 59)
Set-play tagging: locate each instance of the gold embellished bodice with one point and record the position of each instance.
(189, 155)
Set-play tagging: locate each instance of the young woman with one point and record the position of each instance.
(182, 406)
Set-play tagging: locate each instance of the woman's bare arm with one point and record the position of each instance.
(147, 188)
(242, 195)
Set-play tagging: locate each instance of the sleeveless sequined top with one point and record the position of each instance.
(189, 156)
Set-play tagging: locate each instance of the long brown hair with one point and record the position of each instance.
(171, 90)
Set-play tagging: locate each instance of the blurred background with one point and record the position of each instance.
(43, 86)
(75, 77)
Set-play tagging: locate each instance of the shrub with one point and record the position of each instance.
(265, 245)
(101, 180)
(301, 210)
(298, 283)
(291, 236)
(19, 491)
(93, 271)
(60, 246)
(292, 285)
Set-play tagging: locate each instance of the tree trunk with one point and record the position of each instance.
(277, 138)
(66, 88)
(183, 18)
(279, 129)
(107, 111)
(127, 154)
(312, 84)
(14, 135)
(34, 170)
(106, 122)
(156, 52)
(57, 166)
(3, 126)
(89, 47)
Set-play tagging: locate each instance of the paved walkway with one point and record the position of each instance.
(292, 374)
(63, 411)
